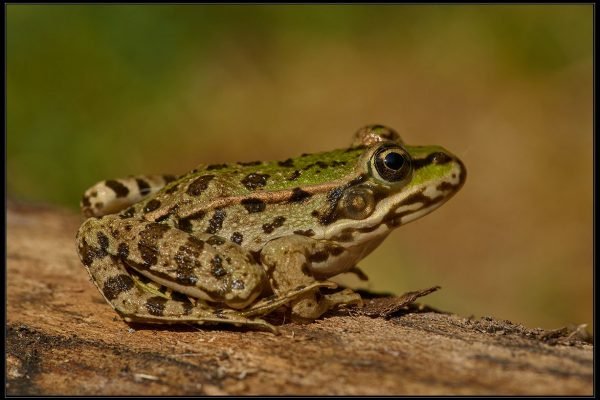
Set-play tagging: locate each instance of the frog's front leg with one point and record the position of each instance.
(114, 195)
(295, 260)
(205, 267)
(360, 274)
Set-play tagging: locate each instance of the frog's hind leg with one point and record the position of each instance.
(106, 250)
(199, 312)
(273, 302)
(137, 300)
(114, 195)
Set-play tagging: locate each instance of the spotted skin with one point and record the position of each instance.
(120, 278)
(229, 243)
(113, 195)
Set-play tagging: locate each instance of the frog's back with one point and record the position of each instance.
(244, 178)
(253, 202)
(220, 185)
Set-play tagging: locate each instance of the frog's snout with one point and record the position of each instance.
(455, 178)
(462, 174)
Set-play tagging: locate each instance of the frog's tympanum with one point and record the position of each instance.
(229, 243)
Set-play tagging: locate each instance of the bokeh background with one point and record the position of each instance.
(106, 91)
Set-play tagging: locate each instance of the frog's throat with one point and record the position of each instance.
(399, 209)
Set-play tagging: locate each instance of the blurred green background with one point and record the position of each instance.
(101, 91)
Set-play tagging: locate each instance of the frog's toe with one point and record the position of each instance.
(343, 297)
(315, 305)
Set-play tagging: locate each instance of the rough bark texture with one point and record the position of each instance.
(63, 338)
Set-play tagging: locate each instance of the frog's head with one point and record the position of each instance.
(393, 184)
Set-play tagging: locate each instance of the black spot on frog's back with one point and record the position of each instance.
(237, 237)
(87, 253)
(143, 186)
(156, 305)
(85, 201)
(185, 224)
(253, 205)
(294, 175)
(213, 167)
(216, 222)
(102, 241)
(307, 232)
(184, 301)
(319, 256)
(117, 187)
(130, 212)
(116, 285)
(187, 260)
(199, 185)
(152, 233)
(289, 163)
(151, 205)
(123, 251)
(249, 163)
(148, 244)
(217, 267)
(298, 195)
(270, 227)
(255, 180)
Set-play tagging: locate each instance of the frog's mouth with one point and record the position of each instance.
(424, 198)
(416, 199)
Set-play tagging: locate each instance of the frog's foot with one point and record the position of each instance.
(316, 304)
(359, 273)
(114, 195)
(273, 302)
(343, 298)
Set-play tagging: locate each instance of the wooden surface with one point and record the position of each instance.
(63, 338)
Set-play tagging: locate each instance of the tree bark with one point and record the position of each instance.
(64, 339)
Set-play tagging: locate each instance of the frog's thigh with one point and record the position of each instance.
(106, 260)
(113, 195)
(290, 260)
(135, 303)
(202, 266)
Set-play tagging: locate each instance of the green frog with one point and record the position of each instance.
(231, 243)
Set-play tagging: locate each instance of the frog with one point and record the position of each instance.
(232, 243)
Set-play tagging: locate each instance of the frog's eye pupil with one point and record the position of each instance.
(394, 161)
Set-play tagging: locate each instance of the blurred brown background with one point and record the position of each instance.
(112, 90)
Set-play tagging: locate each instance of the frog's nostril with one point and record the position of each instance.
(440, 158)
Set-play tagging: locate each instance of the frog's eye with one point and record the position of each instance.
(392, 163)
